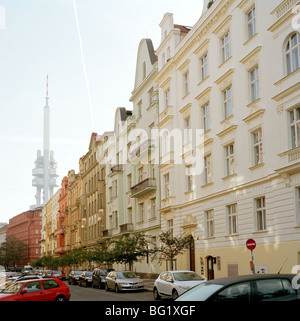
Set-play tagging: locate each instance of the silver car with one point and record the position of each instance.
(123, 280)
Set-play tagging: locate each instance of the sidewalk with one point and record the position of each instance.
(148, 284)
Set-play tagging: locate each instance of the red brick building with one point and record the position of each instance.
(27, 228)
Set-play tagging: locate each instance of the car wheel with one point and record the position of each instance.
(174, 294)
(61, 298)
(156, 294)
(117, 289)
(106, 287)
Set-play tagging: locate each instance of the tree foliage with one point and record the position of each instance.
(12, 251)
(170, 246)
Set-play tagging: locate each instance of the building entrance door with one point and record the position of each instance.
(210, 268)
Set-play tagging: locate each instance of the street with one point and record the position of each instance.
(79, 293)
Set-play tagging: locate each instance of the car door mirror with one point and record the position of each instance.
(23, 291)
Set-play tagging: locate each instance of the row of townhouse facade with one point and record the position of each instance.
(211, 148)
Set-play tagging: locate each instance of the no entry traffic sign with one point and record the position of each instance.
(251, 244)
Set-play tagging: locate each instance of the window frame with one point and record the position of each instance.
(229, 159)
(209, 223)
(293, 125)
(254, 83)
(257, 147)
(225, 47)
(260, 214)
(232, 219)
(251, 21)
(227, 102)
(289, 53)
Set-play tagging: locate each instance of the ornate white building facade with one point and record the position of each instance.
(235, 75)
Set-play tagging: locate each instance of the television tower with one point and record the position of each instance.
(45, 171)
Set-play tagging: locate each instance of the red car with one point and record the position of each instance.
(58, 274)
(36, 290)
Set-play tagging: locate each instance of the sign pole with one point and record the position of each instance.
(253, 261)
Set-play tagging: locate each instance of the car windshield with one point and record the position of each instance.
(187, 276)
(13, 288)
(57, 272)
(200, 292)
(126, 275)
(77, 272)
(88, 273)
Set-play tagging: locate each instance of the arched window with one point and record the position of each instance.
(293, 53)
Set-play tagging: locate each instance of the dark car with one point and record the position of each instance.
(99, 276)
(246, 288)
(85, 278)
(73, 277)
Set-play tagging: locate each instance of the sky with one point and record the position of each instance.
(89, 49)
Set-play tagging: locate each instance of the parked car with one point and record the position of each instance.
(58, 274)
(73, 277)
(36, 290)
(27, 269)
(46, 273)
(174, 283)
(85, 278)
(99, 276)
(246, 288)
(123, 280)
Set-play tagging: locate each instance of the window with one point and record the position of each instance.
(229, 160)
(254, 84)
(251, 23)
(238, 292)
(207, 170)
(170, 226)
(167, 98)
(189, 178)
(153, 207)
(293, 53)
(114, 219)
(260, 207)
(257, 147)
(227, 103)
(273, 288)
(204, 67)
(140, 173)
(225, 42)
(50, 284)
(209, 219)
(205, 117)
(141, 213)
(187, 130)
(232, 218)
(166, 185)
(33, 287)
(295, 127)
(186, 87)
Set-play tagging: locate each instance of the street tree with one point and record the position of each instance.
(129, 249)
(12, 251)
(170, 247)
